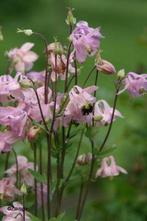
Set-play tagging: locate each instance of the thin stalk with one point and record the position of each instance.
(41, 36)
(23, 203)
(88, 76)
(7, 161)
(83, 201)
(35, 181)
(17, 167)
(41, 185)
(112, 117)
(76, 70)
(71, 171)
(67, 66)
(79, 199)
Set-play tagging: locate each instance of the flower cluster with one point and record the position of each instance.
(32, 104)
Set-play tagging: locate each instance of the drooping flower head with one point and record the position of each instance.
(9, 89)
(136, 84)
(103, 113)
(23, 166)
(8, 189)
(106, 67)
(109, 168)
(86, 40)
(23, 58)
(14, 213)
(7, 139)
(58, 61)
(80, 106)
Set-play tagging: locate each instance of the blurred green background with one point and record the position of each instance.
(123, 24)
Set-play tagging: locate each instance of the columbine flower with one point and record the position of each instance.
(30, 104)
(23, 58)
(7, 139)
(106, 67)
(86, 40)
(103, 113)
(135, 84)
(80, 106)
(58, 62)
(109, 168)
(23, 166)
(14, 213)
(37, 77)
(8, 189)
(15, 118)
(9, 89)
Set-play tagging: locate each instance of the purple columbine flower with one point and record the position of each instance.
(86, 40)
(136, 84)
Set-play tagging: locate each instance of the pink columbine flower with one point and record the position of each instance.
(80, 105)
(15, 118)
(14, 212)
(86, 40)
(23, 166)
(8, 190)
(7, 139)
(37, 77)
(9, 89)
(31, 106)
(23, 58)
(103, 113)
(109, 168)
(136, 84)
(106, 67)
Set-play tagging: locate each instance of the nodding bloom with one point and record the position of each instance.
(80, 106)
(86, 40)
(31, 106)
(7, 139)
(58, 63)
(37, 77)
(136, 84)
(103, 113)
(9, 89)
(8, 190)
(23, 58)
(23, 166)
(109, 168)
(15, 118)
(14, 213)
(106, 67)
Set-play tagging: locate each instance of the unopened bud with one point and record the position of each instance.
(121, 74)
(84, 159)
(106, 67)
(23, 189)
(55, 48)
(33, 133)
(27, 32)
(70, 20)
(24, 81)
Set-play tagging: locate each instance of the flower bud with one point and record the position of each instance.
(84, 159)
(33, 133)
(70, 20)
(27, 32)
(55, 48)
(23, 189)
(121, 74)
(106, 67)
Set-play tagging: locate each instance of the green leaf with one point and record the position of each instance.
(91, 132)
(59, 218)
(34, 218)
(40, 178)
